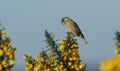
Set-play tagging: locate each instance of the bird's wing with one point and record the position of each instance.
(78, 31)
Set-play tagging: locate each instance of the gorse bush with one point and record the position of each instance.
(58, 57)
(7, 52)
(113, 64)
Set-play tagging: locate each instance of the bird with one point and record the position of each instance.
(73, 28)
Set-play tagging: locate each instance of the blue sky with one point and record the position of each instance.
(26, 21)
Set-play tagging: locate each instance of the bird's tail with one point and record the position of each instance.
(84, 40)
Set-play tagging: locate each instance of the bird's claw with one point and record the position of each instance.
(69, 34)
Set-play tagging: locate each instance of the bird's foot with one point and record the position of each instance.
(69, 34)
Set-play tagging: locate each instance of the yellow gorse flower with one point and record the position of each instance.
(112, 64)
(1, 67)
(1, 52)
(62, 44)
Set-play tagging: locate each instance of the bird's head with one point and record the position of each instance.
(64, 20)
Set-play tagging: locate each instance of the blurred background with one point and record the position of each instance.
(26, 21)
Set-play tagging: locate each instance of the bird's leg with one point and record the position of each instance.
(73, 35)
(69, 34)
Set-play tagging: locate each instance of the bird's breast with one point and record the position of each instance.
(70, 27)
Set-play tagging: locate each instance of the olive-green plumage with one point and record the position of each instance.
(73, 28)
